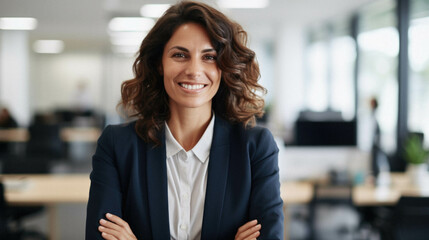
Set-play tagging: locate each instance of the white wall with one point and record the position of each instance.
(14, 74)
(288, 80)
(55, 77)
(117, 69)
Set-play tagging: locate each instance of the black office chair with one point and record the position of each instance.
(45, 141)
(411, 218)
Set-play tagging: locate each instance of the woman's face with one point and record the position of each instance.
(191, 75)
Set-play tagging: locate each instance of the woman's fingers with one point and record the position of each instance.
(120, 222)
(115, 228)
(108, 233)
(110, 225)
(247, 226)
(108, 236)
(250, 230)
(251, 233)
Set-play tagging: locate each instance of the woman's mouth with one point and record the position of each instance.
(192, 86)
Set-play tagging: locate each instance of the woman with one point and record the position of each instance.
(190, 166)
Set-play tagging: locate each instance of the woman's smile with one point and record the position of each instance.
(192, 86)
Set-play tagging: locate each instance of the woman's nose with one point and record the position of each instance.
(194, 68)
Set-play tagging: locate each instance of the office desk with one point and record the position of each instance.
(49, 190)
(67, 134)
(14, 135)
(80, 134)
(296, 192)
(401, 185)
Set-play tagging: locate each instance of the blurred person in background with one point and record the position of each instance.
(193, 165)
(6, 119)
(82, 99)
(375, 147)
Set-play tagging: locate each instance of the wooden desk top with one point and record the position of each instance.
(22, 189)
(401, 185)
(80, 134)
(296, 192)
(14, 135)
(67, 134)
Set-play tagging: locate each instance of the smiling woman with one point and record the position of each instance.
(192, 166)
(191, 74)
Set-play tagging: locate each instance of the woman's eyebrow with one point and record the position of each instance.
(186, 50)
(179, 48)
(208, 50)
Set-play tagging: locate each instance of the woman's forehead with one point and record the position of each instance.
(190, 35)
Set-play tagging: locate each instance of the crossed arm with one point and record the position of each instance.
(114, 228)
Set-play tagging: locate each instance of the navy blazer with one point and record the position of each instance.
(129, 179)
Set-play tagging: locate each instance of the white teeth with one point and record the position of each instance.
(192, 86)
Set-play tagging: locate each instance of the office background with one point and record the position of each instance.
(320, 60)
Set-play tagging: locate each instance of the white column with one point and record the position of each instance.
(289, 78)
(14, 74)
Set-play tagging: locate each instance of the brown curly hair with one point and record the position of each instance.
(237, 100)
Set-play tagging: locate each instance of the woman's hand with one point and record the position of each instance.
(248, 231)
(115, 229)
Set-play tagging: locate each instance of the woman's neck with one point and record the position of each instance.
(188, 125)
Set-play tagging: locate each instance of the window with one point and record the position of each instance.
(418, 102)
(379, 46)
(343, 48)
(317, 80)
(331, 63)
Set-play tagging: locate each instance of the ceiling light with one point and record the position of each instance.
(18, 23)
(136, 24)
(48, 46)
(154, 10)
(243, 3)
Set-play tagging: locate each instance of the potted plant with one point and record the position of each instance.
(416, 157)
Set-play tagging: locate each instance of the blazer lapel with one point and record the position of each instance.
(216, 180)
(158, 189)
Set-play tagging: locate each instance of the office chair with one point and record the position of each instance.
(335, 197)
(45, 141)
(411, 218)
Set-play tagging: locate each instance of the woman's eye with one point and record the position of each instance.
(210, 57)
(179, 55)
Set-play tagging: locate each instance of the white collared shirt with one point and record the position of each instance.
(187, 182)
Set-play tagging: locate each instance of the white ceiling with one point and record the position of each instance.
(82, 23)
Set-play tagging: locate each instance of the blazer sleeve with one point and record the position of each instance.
(105, 193)
(266, 204)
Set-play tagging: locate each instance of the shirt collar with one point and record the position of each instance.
(171, 145)
(201, 149)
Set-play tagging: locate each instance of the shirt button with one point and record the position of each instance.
(183, 226)
(183, 155)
